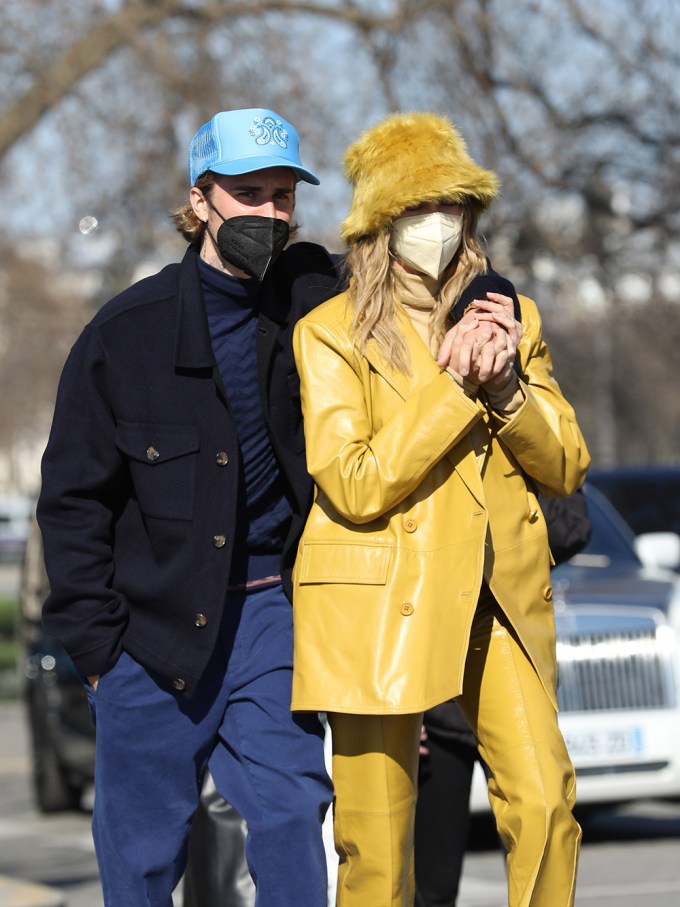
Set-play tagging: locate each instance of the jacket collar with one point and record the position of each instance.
(272, 317)
(193, 348)
(423, 369)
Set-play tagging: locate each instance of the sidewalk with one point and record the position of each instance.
(14, 893)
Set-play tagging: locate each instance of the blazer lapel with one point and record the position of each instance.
(193, 347)
(423, 366)
(267, 332)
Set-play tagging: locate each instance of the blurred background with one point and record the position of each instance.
(574, 103)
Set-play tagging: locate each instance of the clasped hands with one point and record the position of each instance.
(482, 346)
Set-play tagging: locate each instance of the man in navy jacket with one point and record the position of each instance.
(174, 491)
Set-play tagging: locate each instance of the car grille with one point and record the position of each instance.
(614, 668)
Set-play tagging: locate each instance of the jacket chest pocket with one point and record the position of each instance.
(163, 461)
(364, 563)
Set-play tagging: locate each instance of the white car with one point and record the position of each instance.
(15, 520)
(618, 654)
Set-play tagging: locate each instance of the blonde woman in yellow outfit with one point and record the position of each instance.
(424, 570)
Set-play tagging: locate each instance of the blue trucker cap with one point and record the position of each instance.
(240, 141)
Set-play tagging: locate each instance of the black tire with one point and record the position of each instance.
(52, 788)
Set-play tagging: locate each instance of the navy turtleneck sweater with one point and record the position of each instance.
(231, 306)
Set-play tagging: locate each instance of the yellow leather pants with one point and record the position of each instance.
(531, 788)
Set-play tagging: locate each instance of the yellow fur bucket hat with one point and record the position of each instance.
(407, 159)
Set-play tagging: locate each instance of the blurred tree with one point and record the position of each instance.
(40, 317)
(575, 104)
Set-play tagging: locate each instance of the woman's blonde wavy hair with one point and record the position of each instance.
(372, 290)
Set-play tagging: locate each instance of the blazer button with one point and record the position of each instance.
(200, 620)
(219, 541)
(533, 516)
(179, 684)
(407, 609)
(410, 525)
(222, 458)
(548, 593)
(152, 454)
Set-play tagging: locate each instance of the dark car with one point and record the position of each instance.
(61, 729)
(648, 498)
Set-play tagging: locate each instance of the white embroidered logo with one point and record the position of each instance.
(269, 132)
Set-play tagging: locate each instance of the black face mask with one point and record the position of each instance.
(252, 243)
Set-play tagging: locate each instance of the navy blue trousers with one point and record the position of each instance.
(153, 747)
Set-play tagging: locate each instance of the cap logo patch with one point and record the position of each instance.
(269, 131)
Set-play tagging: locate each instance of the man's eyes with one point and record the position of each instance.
(279, 196)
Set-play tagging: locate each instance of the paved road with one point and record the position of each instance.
(52, 851)
(630, 857)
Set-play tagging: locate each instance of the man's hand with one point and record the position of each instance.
(423, 749)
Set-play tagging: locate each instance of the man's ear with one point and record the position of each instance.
(199, 204)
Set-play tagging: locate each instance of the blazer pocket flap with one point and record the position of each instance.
(364, 563)
(154, 444)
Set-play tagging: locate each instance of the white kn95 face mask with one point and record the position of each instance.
(427, 242)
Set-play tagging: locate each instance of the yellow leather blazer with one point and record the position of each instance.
(421, 492)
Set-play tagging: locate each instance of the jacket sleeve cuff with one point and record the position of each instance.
(471, 390)
(508, 399)
(99, 660)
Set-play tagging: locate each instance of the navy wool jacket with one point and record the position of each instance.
(140, 475)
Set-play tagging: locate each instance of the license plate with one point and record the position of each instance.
(611, 743)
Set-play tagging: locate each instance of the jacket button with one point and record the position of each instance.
(179, 684)
(219, 541)
(548, 593)
(200, 620)
(222, 458)
(410, 525)
(152, 454)
(407, 609)
(533, 516)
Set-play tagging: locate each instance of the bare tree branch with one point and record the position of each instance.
(121, 28)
